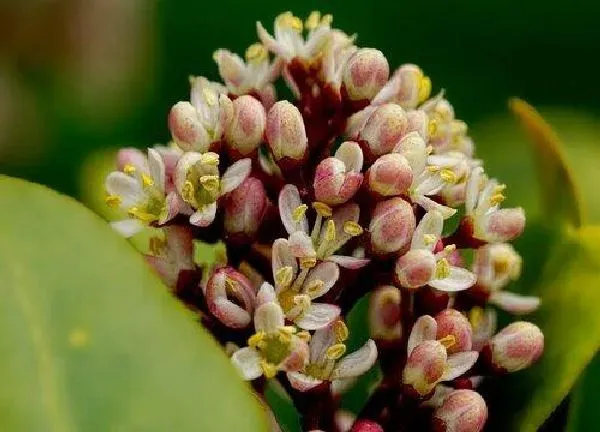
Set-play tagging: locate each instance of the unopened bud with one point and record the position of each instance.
(461, 411)
(245, 207)
(425, 367)
(384, 313)
(415, 87)
(245, 132)
(384, 129)
(515, 347)
(415, 268)
(230, 297)
(365, 74)
(285, 132)
(496, 265)
(451, 322)
(186, 129)
(390, 175)
(418, 121)
(502, 225)
(366, 426)
(392, 226)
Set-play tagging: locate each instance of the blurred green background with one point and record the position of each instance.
(78, 77)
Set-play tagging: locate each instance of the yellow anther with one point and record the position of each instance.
(336, 351)
(113, 200)
(141, 215)
(433, 168)
(147, 181)
(210, 96)
(308, 262)
(288, 329)
(302, 300)
(314, 286)
(429, 239)
(284, 336)
(129, 169)
(476, 316)
(209, 158)
(433, 128)
(156, 245)
(450, 248)
(322, 209)
(442, 269)
(429, 149)
(269, 369)
(341, 331)
(256, 53)
(299, 212)
(256, 339)
(448, 176)
(500, 188)
(303, 335)
(287, 20)
(352, 228)
(313, 20)
(424, 88)
(231, 285)
(502, 264)
(448, 341)
(187, 192)
(497, 199)
(330, 230)
(327, 20)
(210, 182)
(284, 276)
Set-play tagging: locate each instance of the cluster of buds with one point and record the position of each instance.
(347, 191)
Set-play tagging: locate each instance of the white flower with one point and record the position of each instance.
(327, 361)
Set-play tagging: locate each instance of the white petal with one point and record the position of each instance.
(348, 261)
(357, 363)
(347, 213)
(268, 317)
(440, 393)
(247, 362)
(388, 91)
(235, 175)
(127, 188)
(459, 279)
(174, 205)
(319, 342)
(204, 216)
(357, 122)
(458, 364)
(185, 163)
(301, 245)
(425, 328)
(289, 200)
(514, 303)
(318, 316)
(350, 153)
(414, 149)
(431, 225)
(266, 294)
(271, 44)
(127, 227)
(485, 329)
(473, 189)
(281, 256)
(302, 382)
(429, 184)
(157, 169)
(325, 271)
(428, 205)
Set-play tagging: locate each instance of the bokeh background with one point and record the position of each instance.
(79, 78)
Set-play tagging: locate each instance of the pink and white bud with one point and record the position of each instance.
(285, 132)
(502, 225)
(245, 131)
(390, 175)
(496, 265)
(245, 207)
(187, 129)
(415, 268)
(384, 313)
(451, 323)
(425, 367)
(461, 411)
(515, 347)
(366, 426)
(418, 121)
(415, 87)
(338, 178)
(392, 226)
(365, 73)
(230, 297)
(384, 129)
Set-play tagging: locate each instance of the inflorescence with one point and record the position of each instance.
(363, 184)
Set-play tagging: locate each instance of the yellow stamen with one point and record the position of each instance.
(269, 369)
(313, 20)
(497, 199)
(141, 215)
(113, 200)
(424, 88)
(288, 329)
(429, 150)
(322, 209)
(210, 96)
(442, 269)
(450, 248)
(231, 285)
(187, 192)
(256, 338)
(283, 276)
(299, 212)
(129, 169)
(476, 316)
(304, 336)
(256, 53)
(352, 228)
(341, 331)
(330, 230)
(500, 188)
(209, 158)
(308, 262)
(448, 176)
(314, 286)
(303, 301)
(336, 351)
(433, 128)
(210, 182)
(156, 245)
(147, 181)
(448, 341)
(433, 168)
(429, 239)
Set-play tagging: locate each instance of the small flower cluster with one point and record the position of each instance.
(347, 191)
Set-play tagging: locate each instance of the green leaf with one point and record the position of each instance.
(583, 410)
(90, 338)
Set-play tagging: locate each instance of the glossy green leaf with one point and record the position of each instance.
(583, 410)
(90, 338)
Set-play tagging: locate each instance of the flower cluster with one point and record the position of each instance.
(349, 190)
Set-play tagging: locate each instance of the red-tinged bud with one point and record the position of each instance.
(451, 322)
(384, 129)
(366, 426)
(515, 347)
(186, 129)
(418, 121)
(365, 73)
(392, 226)
(285, 132)
(424, 368)
(390, 175)
(245, 208)
(245, 132)
(415, 268)
(384, 313)
(230, 297)
(503, 225)
(461, 411)
(338, 178)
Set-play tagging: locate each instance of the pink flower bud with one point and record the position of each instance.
(245, 132)
(245, 207)
(365, 73)
(392, 226)
(461, 411)
(425, 367)
(230, 297)
(415, 268)
(186, 129)
(366, 426)
(504, 225)
(338, 178)
(515, 347)
(285, 132)
(451, 322)
(384, 313)
(418, 121)
(384, 129)
(390, 175)
(415, 87)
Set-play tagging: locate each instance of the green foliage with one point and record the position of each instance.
(91, 340)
